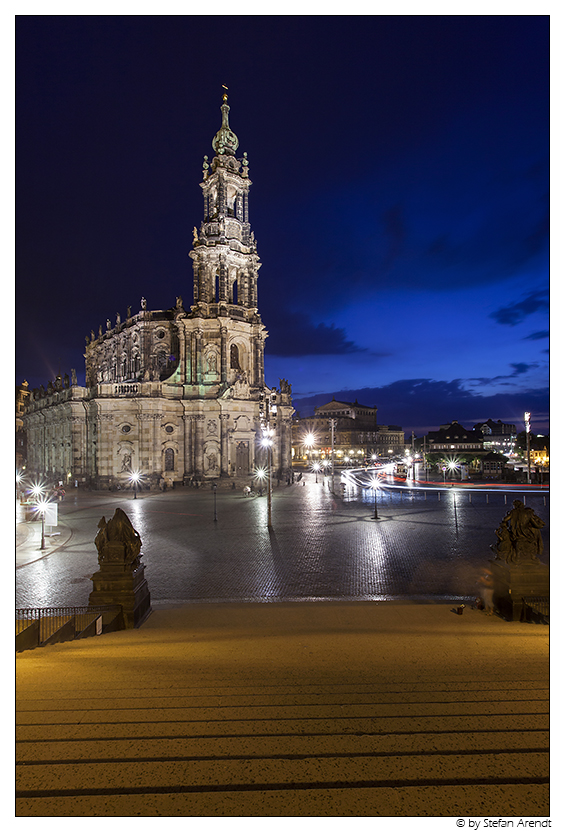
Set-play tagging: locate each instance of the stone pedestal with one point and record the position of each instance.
(121, 583)
(514, 581)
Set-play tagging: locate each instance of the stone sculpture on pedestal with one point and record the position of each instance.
(517, 570)
(120, 578)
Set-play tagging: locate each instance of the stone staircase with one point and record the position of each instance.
(413, 744)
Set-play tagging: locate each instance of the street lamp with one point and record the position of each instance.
(527, 417)
(333, 425)
(316, 468)
(41, 507)
(309, 442)
(261, 475)
(214, 489)
(374, 486)
(267, 443)
(135, 476)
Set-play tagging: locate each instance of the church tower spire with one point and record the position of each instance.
(224, 252)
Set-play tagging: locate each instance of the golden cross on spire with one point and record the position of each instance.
(225, 94)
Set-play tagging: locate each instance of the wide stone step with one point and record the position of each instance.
(312, 772)
(509, 800)
(93, 700)
(310, 745)
(359, 750)
(253, 728)
(322, 726)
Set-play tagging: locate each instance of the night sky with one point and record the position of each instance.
(400, 196)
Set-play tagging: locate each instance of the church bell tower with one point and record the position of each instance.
(225, 261)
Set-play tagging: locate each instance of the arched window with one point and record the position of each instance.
(234, 292)
(217, 288)
(169, 460)
(234, 357)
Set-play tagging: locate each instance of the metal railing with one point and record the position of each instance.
(535, 608)
(36, 626)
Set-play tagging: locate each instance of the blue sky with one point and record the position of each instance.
(400, 196)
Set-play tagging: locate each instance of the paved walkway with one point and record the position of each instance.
(425, 544)
(28, 542)
(289, 709)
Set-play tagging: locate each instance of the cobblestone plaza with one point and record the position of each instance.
(425, 544)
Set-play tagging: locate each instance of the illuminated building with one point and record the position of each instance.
(455, 437)
(356, 435)
(179, 394)
(498, 436)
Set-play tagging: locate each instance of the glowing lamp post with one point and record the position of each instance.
(309, 441)
(375, 486)
(527, 417)
(135, 477)
(267, 443)
(316, 468)
(41, 507)
(19, 478)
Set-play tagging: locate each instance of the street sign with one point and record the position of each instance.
(51, 511)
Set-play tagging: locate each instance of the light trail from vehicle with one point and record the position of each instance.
(363, 478)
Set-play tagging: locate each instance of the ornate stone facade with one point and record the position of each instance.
(177, 394)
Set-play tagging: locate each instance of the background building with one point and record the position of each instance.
(177, 395)
(22, 398)
(498, 436)
(356, 434)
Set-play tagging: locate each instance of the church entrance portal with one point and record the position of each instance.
(242, 459)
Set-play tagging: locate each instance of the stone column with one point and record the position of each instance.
(255, 369)
(259, 370)
(182, 353)
(156, 453)
(198, 356)
(199, 444)
(188, 446)
(253, 288)
(285, 443)
(191, 375)
(224, 354)
(223, 274)
(224, 464)
(196, 281)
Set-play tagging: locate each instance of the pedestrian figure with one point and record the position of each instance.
(487, 591)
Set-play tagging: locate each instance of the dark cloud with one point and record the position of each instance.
(537, 336)
(299, 336)
(521, 368)
(515, 313)
(424, 404)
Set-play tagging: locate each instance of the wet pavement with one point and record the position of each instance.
(426, 544)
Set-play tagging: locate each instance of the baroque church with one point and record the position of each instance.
(177, 395)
